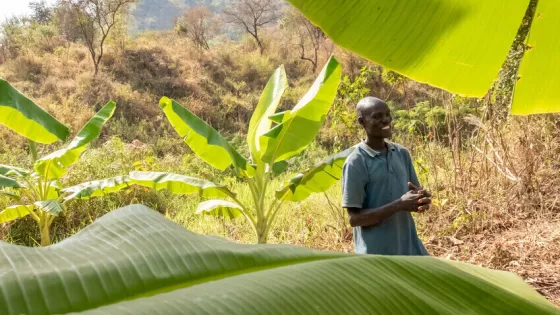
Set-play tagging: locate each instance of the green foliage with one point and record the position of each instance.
(39, 193)
(160, 267)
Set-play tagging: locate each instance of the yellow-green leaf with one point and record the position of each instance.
(56, 164)
(23, 116)
(204, 140)
(270, 98)
(8, 182)
(179, 184)
(300, 125)
(97, 188)
(15, 212)
(52, 207)
(220, 208)
(319, 178)
(457, 45)
(536, 91)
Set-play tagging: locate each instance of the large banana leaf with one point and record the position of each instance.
(270, 98)
(458, 45)
(52, 207)
(300, 125)
(14, 212)
(536, 90)
(97, 188)
(179, 184)
(23, 116)
(55, 164)
(318, 178)
(8, 182)
(204, 140)
(135, 261)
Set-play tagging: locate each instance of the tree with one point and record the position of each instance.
(252, 15)
(41, 12)
(198, 24)
(306, 35)
(96, 19)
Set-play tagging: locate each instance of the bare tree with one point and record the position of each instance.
(307, 37)
(95, 20)
(198, 24)
(42, 13)
(252, 15)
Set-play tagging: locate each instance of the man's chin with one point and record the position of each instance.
(387, 134)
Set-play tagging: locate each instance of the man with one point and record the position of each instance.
(380, 188)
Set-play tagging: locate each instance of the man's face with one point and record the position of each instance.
(376, 120)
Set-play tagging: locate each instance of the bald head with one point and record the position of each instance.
(366, 105)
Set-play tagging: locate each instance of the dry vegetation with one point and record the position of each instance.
(495, 178)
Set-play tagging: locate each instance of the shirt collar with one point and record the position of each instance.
(373, 153)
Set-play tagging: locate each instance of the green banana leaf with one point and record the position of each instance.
(23, 116)
(220, 208)
(11, 171)
(300, 126)
(8, 182)
(318, 178)
(536, 91)
(56, 164)
(270, 98)
(179, 184)
(97, 188)
(135, 261)
(455, 45)
(14, 212)
(52, 207)
(204, 140)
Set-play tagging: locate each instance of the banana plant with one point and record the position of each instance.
(38, 191)
(272, 138)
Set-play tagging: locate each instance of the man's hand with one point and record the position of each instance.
(424, 201)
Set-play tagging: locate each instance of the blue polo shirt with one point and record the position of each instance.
(372, 179)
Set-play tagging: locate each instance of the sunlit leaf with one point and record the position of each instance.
(97, 188)
(220, 208)
(204, 140)
(536, 91)
(456, 45)
(135, 261)
(55, 164)
(14, 212)
(300, 126)
(11, 171)
(52, 207)
(270, 98)
(319, 178)
(23, 116)
(179, 184)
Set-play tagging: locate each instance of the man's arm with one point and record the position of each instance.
(411, 201)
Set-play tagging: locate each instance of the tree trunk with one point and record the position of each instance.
(261, 48)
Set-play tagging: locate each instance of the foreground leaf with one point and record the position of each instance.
(300, 125)
(319, 178)
(536, 91)
(455, 45)
(8, 182)
(55, 164)
(23, 116)
(204, 140)
(220, 208)
(97, 188)
(270, 98)
(52, 207)
(179, 184)
(15, 212)
(135, 261)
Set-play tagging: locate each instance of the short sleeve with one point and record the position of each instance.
(354, 181)
(411, 171)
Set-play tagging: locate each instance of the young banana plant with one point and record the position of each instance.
(38, 191)
(273, 138)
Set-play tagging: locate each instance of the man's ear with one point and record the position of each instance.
(361, 120)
